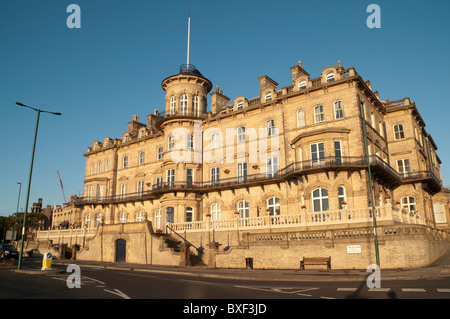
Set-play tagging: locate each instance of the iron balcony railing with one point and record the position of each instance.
(306, 167)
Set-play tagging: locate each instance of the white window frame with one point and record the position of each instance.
(321, 199)
(243, 209)
(302, 85)
(268, 96)
(338, 110)
(410, 202)
(106, 165)
(170, 176)
(319, 114)
(99, 166)
(273, 204)
(88, 221)
(271, 166)
(173, 105)
(241, 172)
(399, 132)
(329, 77)
(140, 216)
(190, 142)
(240, 134)
(141, 158)
(170, 142)
(404, 166)
(215, 211)
(196, 105)
(158, 219)
(317, 155)
(189, 211)
(239, 105)
(123, 191)
(183, 104)
(301, 118)
(214, 141)
(125, 161)
(439, 212)
(270, 127)
(338, 152)
(159, 153)
(189, 173)
(341, 196)
(98, 220)
(140, 187)
(123, 218)
(215, 175)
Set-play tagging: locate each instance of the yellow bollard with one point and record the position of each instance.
(47, 262)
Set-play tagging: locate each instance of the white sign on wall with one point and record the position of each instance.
(353, 249)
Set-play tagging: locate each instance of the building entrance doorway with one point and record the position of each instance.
(121, 249)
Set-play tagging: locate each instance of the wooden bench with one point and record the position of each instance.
(316, 261)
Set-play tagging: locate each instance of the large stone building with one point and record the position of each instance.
(290, 160)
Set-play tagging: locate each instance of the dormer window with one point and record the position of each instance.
(302, 85)
(268, 97)
(329, 77)
(125, 139)
(239, 105)
(105, 144)
(141, 133)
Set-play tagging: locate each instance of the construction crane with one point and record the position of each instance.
(62, 188)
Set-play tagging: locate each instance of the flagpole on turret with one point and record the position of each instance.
(189, 34)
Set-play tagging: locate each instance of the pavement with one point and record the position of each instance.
(439, 269)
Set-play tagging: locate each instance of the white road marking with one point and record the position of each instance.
(413, 290)
(118, 293)
(380, 289)
(443, 290)
(347, 289)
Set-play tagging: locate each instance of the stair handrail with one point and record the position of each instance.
(199, 251)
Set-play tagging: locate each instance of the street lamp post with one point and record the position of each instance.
(17, 211)
(39, 111)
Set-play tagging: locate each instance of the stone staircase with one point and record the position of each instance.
(175, 244)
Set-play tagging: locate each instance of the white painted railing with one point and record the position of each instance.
(66, 236)
(338, 217)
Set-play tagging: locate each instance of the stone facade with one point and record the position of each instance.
(287, 152)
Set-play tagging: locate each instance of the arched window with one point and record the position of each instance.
(270, 127)
(215, 211)
(88, 221)
(409, 203)
(173, 105)
(98, 219)
(158, 219)
(195, 105)
(320, 199)
(273, 204)
(341, 196)
(243, 209)
(439, 212)
(189, 214)
(319, 115)
(399, 134)
(329, 77)
(139, 216)
(183, 104)
(338, 110)
(302, 85)
(268, 97)
(123, 218)
(239, 105)
(301, 118)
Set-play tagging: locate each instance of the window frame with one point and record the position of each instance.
(338, 111)
(399, 132)
(321, 199)
(319, 114)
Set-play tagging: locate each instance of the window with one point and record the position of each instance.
(183, 104)
(270, 127)
(239, 105)
(123, 218)
(439, 212)
(125, 139)
(123, 191)
(140, 216)
(159, 153)
(141, 158)
(302, 85)
(273, 204)
(158, 219)
(271, 166)
(242, 172)
(409, 203)
(215, 211)
(319, 115)
(158, 181)
(320, 199)
(190, 141)
(329, 77)
(140, 187)
(317, 154)
(214, 141)
(404, 167)
(189, 213)
(338, 111)
(106, 143)
(337, 152)
(92, 168)
(173, 105)
(171, 142)
(341, 196)
(399, 134)
(88, 221)
(241, 134)
(98, 220)
(106, 165)
(214, 175)
(170, 177)
(99, 167)
(90, 191)
(268, 97)
(300, 118)
(125, 162)
(196, 105)
(243, 209)
(99, 192)
(189, 176)
(170, 214)
(141, 133)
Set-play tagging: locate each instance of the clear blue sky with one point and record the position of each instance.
(100, 75)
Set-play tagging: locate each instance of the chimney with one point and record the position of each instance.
(218, 101)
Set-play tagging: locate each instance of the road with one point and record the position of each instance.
(190, 292)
